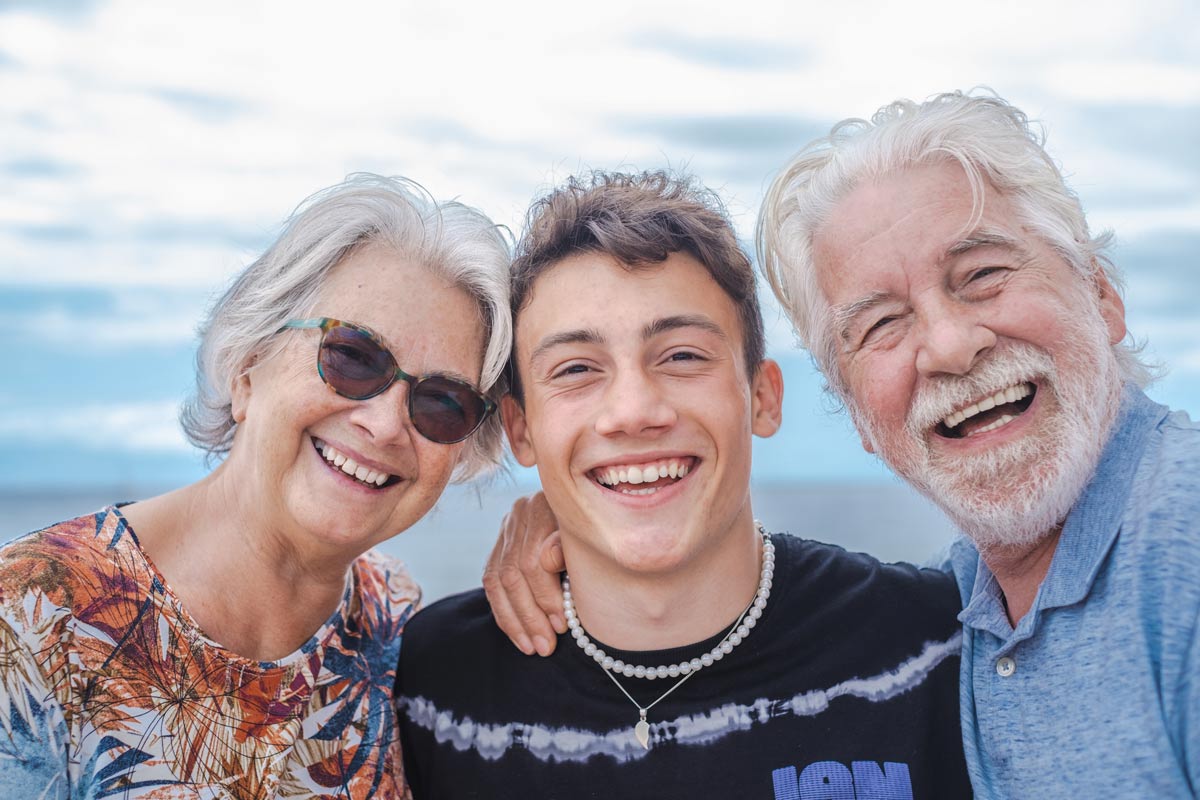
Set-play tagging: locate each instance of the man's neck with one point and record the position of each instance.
(631, 610)
(1020, 572)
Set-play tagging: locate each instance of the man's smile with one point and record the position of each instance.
(988, 413)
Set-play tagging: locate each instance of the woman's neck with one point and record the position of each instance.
(246, 586)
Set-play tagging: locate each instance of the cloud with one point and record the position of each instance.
(735, 133)
(152, 426)
(1160, 270)
(56, 8)
(1167, 133)
(203, 106)
(39, 166)
(722, 52)
(48, 321)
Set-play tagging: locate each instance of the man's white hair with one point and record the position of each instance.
(992, 141)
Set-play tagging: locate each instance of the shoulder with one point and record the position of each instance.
(1171, 471)
(840, 571)
(453, 622)
(1164, 502)
(382, 576)
(59, 562)
(450, 641)
(835, 588)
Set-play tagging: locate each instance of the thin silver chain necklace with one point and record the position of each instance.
(733, 637)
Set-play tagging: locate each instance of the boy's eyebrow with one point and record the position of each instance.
(655, 328)
(577, 336)
(665, 324)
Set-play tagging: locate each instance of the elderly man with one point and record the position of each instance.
(944, 279)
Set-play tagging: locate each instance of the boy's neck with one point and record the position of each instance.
(632, 610)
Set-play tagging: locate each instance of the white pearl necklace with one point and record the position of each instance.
(737, 632)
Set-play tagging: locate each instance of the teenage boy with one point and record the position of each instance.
(709, 657)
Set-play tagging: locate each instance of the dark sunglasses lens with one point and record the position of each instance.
(446, 410)
(354, 364)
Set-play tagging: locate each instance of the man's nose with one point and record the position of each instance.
(951, 340)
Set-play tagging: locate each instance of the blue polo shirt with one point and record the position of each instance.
(1096, 693)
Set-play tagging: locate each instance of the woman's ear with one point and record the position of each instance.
(240, 391)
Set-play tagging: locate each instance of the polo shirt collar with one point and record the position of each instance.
(1088, 533)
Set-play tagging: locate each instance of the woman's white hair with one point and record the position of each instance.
(454, 241)
(992, 141)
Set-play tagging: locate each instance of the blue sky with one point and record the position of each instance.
(147, 152)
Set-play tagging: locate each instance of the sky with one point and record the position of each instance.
(150, 151)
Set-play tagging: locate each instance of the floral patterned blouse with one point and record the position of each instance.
(108, 689)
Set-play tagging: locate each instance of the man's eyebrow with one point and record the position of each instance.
(664, 324)
(577, 336)
(844, 314)
(982, 238)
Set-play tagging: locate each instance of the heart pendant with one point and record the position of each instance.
(642, 732)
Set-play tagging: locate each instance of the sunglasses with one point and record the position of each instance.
(354, 363)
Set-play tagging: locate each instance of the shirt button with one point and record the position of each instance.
(1005, 667)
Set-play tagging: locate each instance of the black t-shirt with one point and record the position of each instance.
(847, 689)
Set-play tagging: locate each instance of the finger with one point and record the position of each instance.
(532, 619)
(546, 585)
(507, 619)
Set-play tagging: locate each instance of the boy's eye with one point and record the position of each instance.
(571, 369)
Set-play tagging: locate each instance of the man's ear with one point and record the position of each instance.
(512, 415)
(766, 399)
(1112, 307)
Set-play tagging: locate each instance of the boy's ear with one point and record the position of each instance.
(512, 415)
(766, 399)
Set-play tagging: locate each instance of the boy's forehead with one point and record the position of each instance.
(592, 298)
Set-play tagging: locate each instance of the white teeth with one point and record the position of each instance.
(650, 490)
(638, 474)
(1010, 395)
(351, 467)
(1004, 420)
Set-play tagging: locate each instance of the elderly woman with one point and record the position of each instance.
(236, 638)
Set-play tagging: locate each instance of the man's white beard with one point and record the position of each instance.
(1014, 495)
